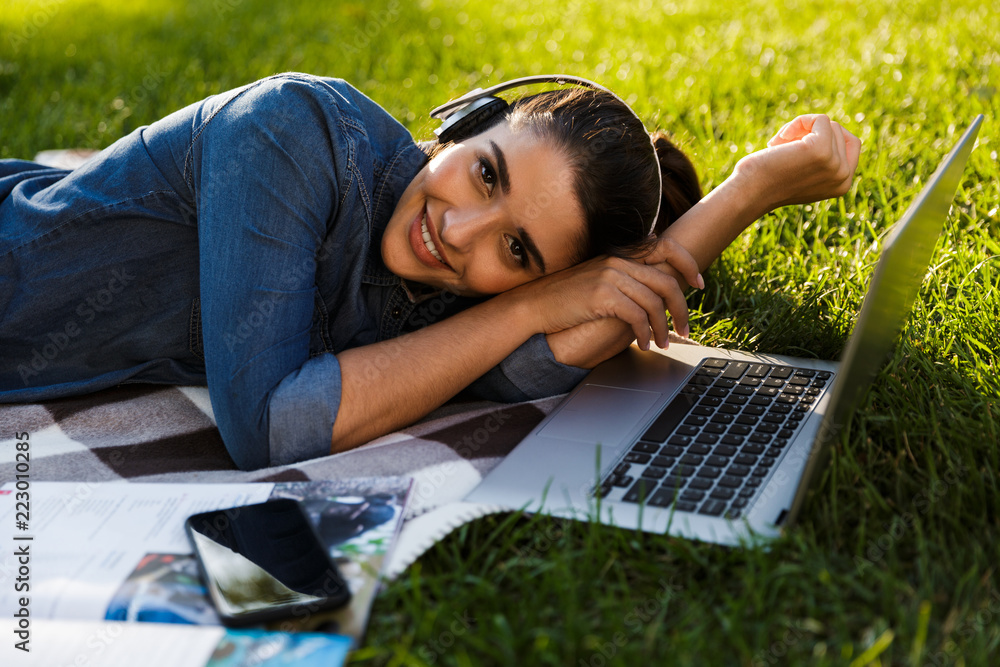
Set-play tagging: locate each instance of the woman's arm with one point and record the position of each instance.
(392, 383)
(811, 158)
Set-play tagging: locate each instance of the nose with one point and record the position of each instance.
(462, 226)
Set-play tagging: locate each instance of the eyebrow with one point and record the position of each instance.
(504, 175)
(529, 245)
(501, 167)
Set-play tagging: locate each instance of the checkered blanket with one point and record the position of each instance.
(150, 433)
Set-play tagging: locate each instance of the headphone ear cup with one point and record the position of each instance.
(462, 125)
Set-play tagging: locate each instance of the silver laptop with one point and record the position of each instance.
(713, 444)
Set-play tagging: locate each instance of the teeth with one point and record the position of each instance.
(428, 242)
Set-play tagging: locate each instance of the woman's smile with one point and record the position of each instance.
(422, 240)
(486, 215)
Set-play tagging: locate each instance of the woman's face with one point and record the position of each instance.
(486, 215)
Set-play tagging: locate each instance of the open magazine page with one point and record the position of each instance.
(118, 552)
(91, 643)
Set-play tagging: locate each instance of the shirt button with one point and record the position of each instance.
(397, 312)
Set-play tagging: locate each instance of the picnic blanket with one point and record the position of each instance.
(153, 433)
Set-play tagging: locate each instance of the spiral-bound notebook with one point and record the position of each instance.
(713, 444)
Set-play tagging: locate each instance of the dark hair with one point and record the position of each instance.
(615, 178)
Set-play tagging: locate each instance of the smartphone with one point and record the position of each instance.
(262, 562)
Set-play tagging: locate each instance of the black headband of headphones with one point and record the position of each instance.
(460, 116)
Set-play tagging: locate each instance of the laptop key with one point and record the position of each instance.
(738, 470)
(724, 450)
(663, 461)
(693, 390)
(671, 450)
(682, 471)
(711, 372)
(692, 494)
(747, 493)
(786, 433)
(746, 459)
(712, 508)
(709, 472)
(774, 419)
(730, 482)
(768, 392)
(695, 420)
(737, 400)
(752, 482)
(707, 439)
(774, 382)
(662, 498)
(760, 471)
(679, 440)
(654, 472)
(688, 430)
(633, 457)
(622, 469)
(781, 372)
(717, 429)
(703, 411)
(779, 442)
(722, 418)
(700, 449)
(758, 370)
(718, 392)
(779, 409)
(641, 490)
(749, 420)
(731, 439)
(770, 429)
(717, 461)
(760, 400)
(735, 370)
(669, 418)
(705, 381)
(725, 383)
(773, 452)
(622, 480)
(722, 494)
(645, 447)
(805, 372)
(752, 449)
(823, 375)
(700, 484)
(684, 506)
(714, 363)
(692, 460)
(739, 429)
(740, 503)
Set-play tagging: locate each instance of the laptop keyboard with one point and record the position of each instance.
(715, 444)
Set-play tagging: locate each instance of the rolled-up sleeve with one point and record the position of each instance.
(530, 372)
(263, 172)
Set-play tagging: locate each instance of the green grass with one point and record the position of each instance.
(894, 559)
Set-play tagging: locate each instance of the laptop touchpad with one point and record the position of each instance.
(600, 415)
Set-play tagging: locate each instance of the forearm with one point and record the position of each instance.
(704, 231)
(391, 384)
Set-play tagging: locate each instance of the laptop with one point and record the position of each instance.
(713, 444)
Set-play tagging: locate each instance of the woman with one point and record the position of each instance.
(275, 240)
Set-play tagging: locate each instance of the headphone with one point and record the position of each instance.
(463, 115)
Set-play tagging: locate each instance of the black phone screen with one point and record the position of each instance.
(264, 561)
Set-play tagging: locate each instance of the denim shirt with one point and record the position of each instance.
(235, 242)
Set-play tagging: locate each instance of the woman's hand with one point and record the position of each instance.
(606, 287)
(811, 158)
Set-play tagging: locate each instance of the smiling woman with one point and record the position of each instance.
(278, 236)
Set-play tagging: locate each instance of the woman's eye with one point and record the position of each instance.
(487, 174)
(517, 250)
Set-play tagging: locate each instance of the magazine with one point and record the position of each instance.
(83, 560)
